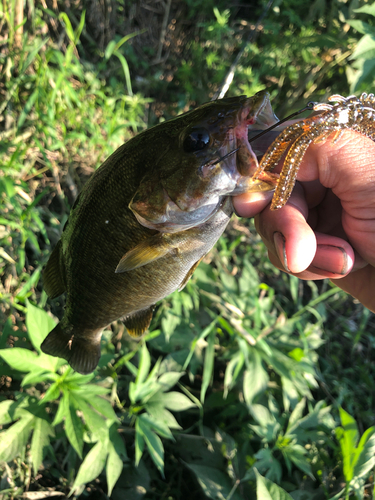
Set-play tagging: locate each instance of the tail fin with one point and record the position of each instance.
(82, 354)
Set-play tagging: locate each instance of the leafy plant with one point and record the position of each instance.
(360, 73)
(70, 393)
(150, 405)
(358, 455)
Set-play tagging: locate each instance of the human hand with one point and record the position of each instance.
(327, 228)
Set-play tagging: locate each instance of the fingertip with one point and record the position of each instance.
(250, 204)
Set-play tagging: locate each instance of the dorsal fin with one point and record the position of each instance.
(53, 277)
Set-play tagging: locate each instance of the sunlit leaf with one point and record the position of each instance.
(153, 442)
(175, 401)
(159, 412)
(144, 364)
(92, 465)
(21, 359)
(40, 441)
(113, 468)
(364, 458)
(38, 324)
(74, 428)
(14, 439)
(365, 48)
(155, 425)
(255, 377)
(168, 380)
(267, 490)
(366, 9)
(139, 441)
(348, 437)
(94, 421)
(103, 406)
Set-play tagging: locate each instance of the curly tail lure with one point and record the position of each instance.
(348, 113)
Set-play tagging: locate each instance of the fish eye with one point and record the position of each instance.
(197, 139)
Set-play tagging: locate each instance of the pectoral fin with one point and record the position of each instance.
(138, 323)
(147, 251)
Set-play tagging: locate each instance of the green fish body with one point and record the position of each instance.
(146, 218)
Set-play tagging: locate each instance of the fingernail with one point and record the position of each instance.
(331, 259)
(279, 241)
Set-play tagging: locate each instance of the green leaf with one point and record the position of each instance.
(267, 490)
(153, 442)
(53, 392)
(62, 409)
(83, 380)
(40, 441)
(156, 450)
(113, 468)
(214, 483)
(7, 408)
(339, 495)
(255, 378)
(90, 390)
(104, 407)
(156, 425)
(208, 366)
(347, 436)
(297, 414)
(168, 380)
(117, 441)
(13, 441)
(296, 453)
(74, 428)
(110, 49)
(232, 371)
(266, 461)
(364, 28)
(365, 48)
(125, 68)
(92, 465)
(31, 56)
(38, 324)
(37, 377)
(125, 38)
(175, 401)
(68, 25)
(94, 421)
(21, 359)
(364, 459)
(139, 441)
(366, 9)
(159, 412)
(144, 364)
(79, 29)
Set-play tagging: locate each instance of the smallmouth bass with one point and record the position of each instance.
(147, 217)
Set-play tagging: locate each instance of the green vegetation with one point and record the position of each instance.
(250, 384)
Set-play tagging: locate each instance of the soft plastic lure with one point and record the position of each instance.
(348, 113)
